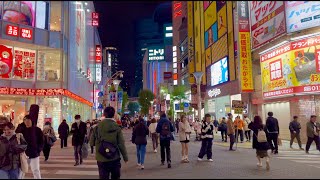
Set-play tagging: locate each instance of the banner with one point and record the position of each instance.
(120, 95)
(191, 49)
(245, 62)
(291, 68)
(302, 15)
(267, 21)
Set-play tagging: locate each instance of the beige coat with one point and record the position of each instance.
(184, 131)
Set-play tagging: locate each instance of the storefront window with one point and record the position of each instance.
(55, 15)
(49, 111)
(42, 14)
(49, 65)
(24, 64)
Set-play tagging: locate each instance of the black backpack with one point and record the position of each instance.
(107, 149)
(165, 130)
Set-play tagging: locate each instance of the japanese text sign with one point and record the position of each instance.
(243, 16)
(98, 54)
(245, 62)
(95, 19)
(291, 68)
(267, 21)
(302, 15)
(156, 54)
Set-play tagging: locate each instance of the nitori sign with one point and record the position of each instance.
(156, 54)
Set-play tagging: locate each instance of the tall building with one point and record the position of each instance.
(149, 32)
(51, 56)
(112, 59)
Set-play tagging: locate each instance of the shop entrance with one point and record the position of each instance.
(281, 111)
(14, 108)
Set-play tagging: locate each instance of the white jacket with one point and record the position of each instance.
(184, 131)
(152, 127)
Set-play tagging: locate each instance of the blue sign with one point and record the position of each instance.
(186, 105)
(100, 94)
(100, 106)
(177, 106)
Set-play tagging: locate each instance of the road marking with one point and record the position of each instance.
(84, 173)
(309, 158)
(311, 162)
(50, 161)
(68, 165)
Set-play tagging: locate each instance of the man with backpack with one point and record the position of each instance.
(273, 132)
(108, 139)
(165, 129)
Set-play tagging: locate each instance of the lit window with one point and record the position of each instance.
(175, 59)
(174, 54)
(175, 71)
(174, 65)
(175, 82)
(174, 48)
(169, 28)
(168, 34)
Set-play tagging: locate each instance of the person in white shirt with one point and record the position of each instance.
(247, 131)
(154, 135)
(184, 135)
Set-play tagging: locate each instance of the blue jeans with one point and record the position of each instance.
(141, 153)
(11, 174)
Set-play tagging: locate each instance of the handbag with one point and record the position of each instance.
(84, 149)
(23, 157)
(107, 149)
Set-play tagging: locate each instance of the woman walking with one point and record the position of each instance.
(207, 129)
(49, 139)
(260, 142)
(139, 137)
(223, 129)
(10, 151)
(247, 131)
(184, 135)
(154, 135)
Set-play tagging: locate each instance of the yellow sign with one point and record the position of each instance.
(210, 15)
(208, 57)
(245, 62)
(222, 21)
(191, 63)
(231, 41)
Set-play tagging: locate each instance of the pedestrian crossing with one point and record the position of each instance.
(61, 167)
(299, 156)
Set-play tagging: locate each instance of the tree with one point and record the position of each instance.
(178, 93)
(124, 101)
(145, 96)
(132, 107)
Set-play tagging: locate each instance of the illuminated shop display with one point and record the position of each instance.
(218, 72)
(291, 68)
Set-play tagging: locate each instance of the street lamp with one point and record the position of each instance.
(151, 102)
(116, 83)
(198, 75)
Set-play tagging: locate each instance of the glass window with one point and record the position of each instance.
(24, 64)
(66, 19)
(55, 15)
(42, 15)
(49, 65)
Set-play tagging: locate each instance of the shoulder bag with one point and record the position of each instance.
(23, 157)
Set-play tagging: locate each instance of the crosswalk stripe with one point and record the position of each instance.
(309, 158)
(67, 165)
(69, 161)
(86, 173)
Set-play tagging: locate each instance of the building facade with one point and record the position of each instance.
(49, 59)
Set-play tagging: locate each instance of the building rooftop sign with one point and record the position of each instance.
(156, 54)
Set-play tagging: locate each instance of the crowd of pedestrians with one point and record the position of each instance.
(106, 137)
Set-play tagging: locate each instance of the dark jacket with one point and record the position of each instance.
(9, 152)
(20, 127)
(255, 144)
(110, 132)
(139, 134)
(215, 123)
(207, 130)
(63, 130)
(272, 125)
(310, 129)
(294, 126)
(159, 128)
(35, 139)
(78, 133)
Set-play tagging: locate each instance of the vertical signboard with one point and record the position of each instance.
(191, 63)
(267, 21)
(98, 62)
(245, 61)
(95, 19)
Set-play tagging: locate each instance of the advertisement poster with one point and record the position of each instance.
(291, 68)
(267, 21)
(6, 61)
(302, 15)
(24, 66)
(120, 95)
(222, 20)
(219, 72)
(245, 62)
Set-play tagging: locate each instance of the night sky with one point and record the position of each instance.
(116, 29)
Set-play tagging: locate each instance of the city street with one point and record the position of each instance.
(238, 164)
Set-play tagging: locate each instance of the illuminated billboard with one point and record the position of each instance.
(291, 68)
(156, 54)
(218, 72)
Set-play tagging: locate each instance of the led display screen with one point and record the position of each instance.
(218, 72)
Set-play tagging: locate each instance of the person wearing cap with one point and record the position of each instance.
(294, 128)
(13, 12)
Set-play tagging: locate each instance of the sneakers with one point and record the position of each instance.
(259, 164)
(268, 165)
(291, 147)
(155, 151)
(162, 163)
(138, 164)
(307, 152)
(76, 164)
(169, 165)
(142, 167)
(210, 160)
(301, 148)
(199, 159)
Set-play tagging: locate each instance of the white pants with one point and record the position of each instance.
(34, 165)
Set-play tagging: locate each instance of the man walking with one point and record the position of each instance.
(79, 130)
(165, 129)
(35, 139)
(63, 131)
(273, 132)
(313, 129)
(107, 135)
(230, 131)
(294, 128)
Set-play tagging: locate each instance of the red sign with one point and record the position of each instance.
(42, 92)
(317, 59)
(26, 33)
(98, 53)
(167, 75)
(177, 9)
(12, 30)
(293, 90)
(6, 61)
(95, 19)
